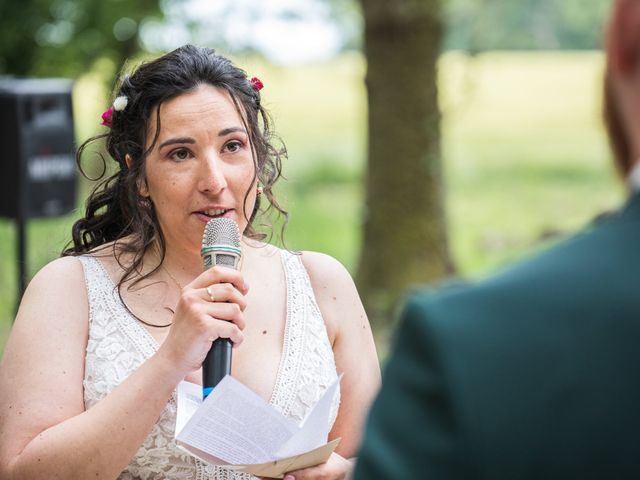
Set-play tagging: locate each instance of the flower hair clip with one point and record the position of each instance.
(119, 104)
(256, 84)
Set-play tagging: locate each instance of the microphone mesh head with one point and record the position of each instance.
(221, 231)
(221, 243)
(225, 260)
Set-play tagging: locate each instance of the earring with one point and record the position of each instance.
(145, 202)
(259, 189)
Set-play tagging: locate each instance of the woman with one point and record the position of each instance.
(104, 334)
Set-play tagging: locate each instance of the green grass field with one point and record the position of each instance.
(524, 151)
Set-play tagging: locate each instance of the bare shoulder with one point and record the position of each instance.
(321, 265)
(334, 290)
(58, 289)
(59, 274)
(324, 270)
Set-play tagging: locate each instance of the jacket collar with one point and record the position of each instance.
(632, 207)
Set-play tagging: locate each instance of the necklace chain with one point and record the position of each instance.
(172, 277)
(170, 309)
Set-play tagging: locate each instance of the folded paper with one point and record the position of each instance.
(236, 429)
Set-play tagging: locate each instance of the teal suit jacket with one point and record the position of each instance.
(532, 374)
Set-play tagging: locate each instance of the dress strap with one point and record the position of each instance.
(298, 281)
(106, 310)
(307, 357)
(95, 280)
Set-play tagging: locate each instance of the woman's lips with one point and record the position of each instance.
(205, 218)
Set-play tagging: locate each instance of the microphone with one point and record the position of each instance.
(220, 246)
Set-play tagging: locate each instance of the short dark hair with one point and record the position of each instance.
(115, 209)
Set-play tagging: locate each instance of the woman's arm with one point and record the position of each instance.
(353, 346)
(46, 432)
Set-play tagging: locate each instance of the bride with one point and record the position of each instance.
(105, 333)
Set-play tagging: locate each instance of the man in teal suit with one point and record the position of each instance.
(534, 373)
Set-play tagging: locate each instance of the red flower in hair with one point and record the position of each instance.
(256, 84)
(106, 117)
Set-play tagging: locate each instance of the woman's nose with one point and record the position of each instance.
(212, 177)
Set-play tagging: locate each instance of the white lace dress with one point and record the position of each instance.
(118, 344)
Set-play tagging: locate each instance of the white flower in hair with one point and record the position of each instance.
(120, 103)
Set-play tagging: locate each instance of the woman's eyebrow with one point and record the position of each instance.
(173, 141)
(190, 140)
(229, 130)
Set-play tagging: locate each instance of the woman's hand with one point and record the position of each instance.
(210, 307)
(335, 468)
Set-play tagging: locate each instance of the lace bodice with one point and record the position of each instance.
(118, 344)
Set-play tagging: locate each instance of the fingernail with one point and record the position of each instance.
(246, 287)
(289, 477)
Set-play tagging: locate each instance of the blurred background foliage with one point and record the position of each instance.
(524, 153)
(481, 25)
(67, 37)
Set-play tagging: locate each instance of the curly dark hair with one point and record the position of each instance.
(116, 211)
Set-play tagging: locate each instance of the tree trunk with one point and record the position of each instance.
(405, 240)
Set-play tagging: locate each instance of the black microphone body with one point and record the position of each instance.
(220, 246)
(216, 365)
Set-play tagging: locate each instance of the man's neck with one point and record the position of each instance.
(633, 179)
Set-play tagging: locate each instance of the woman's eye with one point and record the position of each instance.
(180, 154)
(233, 146)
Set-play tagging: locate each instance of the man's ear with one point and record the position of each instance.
(623, 37)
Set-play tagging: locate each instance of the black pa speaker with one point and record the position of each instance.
(37, 165)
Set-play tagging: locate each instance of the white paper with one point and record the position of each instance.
(189, 400)
(314, 429)
(236, 426)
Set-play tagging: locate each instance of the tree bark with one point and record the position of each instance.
(405, 239)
